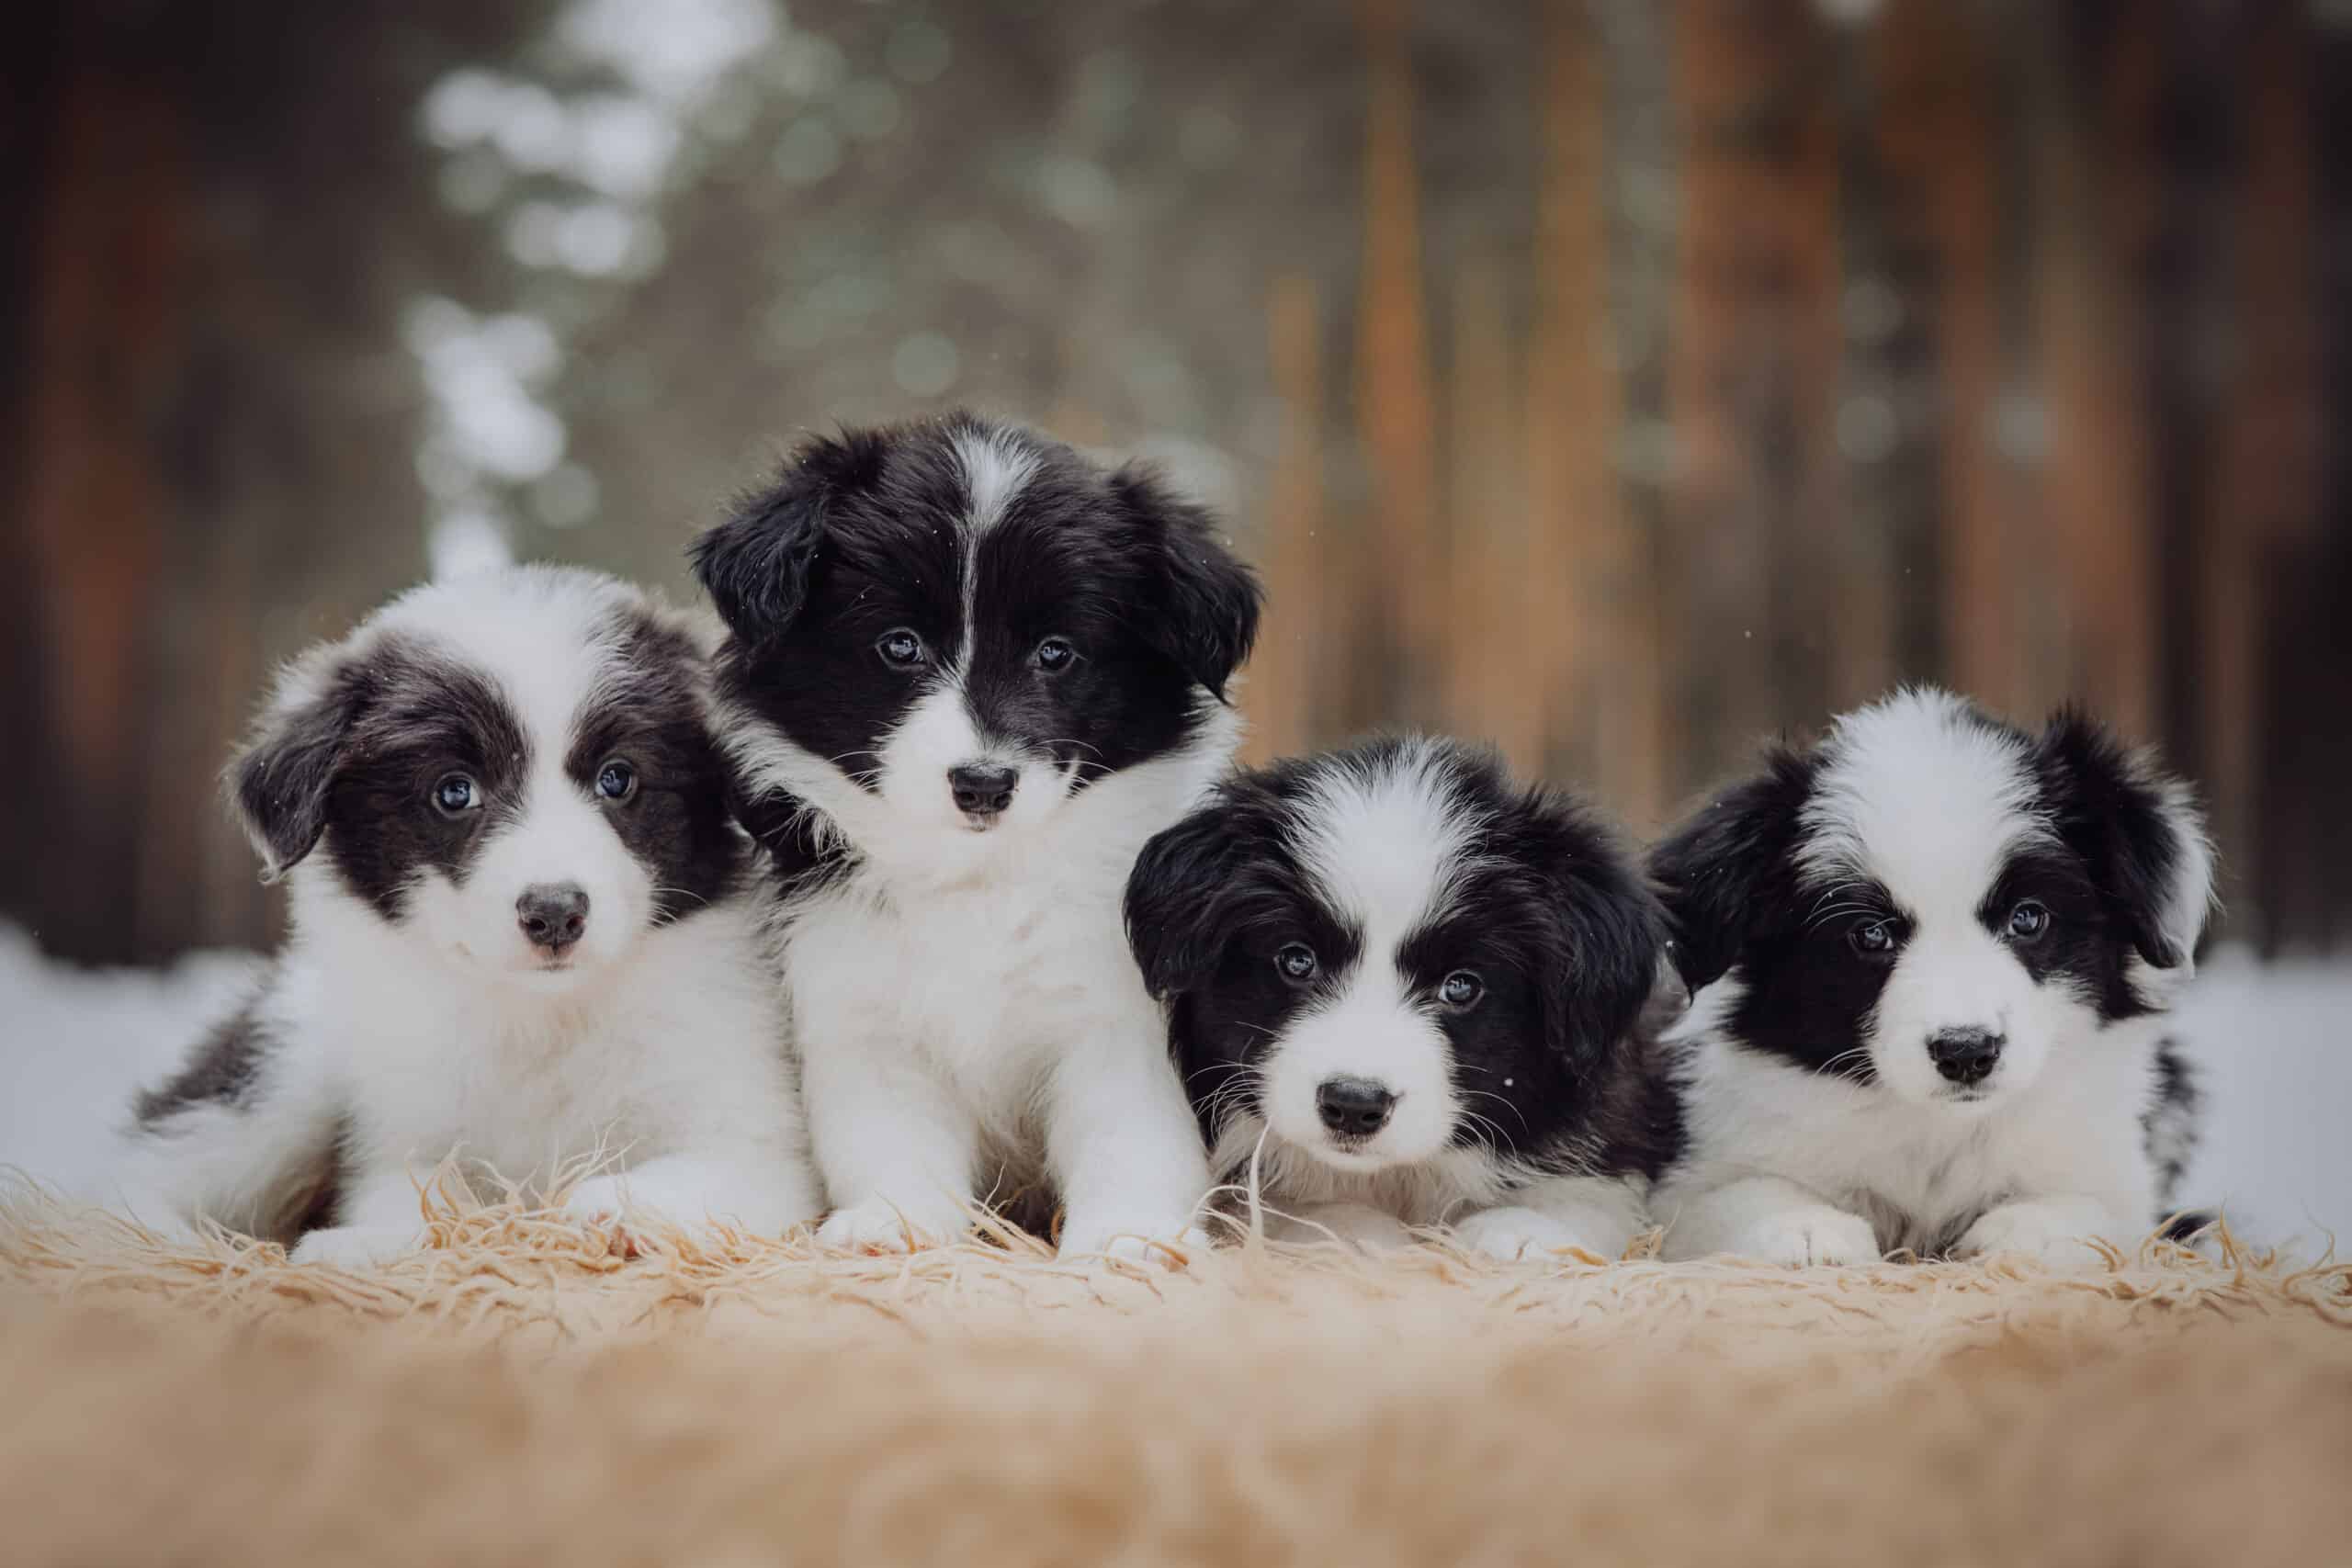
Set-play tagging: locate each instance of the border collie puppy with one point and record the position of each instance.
(521, 931)
(971, 673)
(1932, 958)
(1404, 991)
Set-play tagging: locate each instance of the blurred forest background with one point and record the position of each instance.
(1624, 381)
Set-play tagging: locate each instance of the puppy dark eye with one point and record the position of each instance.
(1055, 653)
(1295, 963)
(456, 794)
(1874, 939)
(1461, 991)
(2029, 920)
(617, 780)
(900, 647)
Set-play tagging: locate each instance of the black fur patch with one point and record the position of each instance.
(424, 716)
(648, 713)
(870, 534)
(2171, 1122)
(1551, 915)
(225, 1068)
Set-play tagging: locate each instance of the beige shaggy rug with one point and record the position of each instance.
(527, 1391)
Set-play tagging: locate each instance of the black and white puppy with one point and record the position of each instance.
(521, 933)
(971, 673)
(1932, 957)
(1404, 991)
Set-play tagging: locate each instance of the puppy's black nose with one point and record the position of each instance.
(982, 791)
(1965, 1055)
(1353, 1108)
(552, 914)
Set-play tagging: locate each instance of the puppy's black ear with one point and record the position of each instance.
(1206, 616)
(755, 566)
(1608, 928)
(2137, 828)
(277, 785)
(1178, 899)
(1711, 869)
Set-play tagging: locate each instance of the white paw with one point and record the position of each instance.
(359, 1247)
(879, 1225)
(600, 1200)
(1358, 1226)
(1817, 1234)
(2051, 1235)
(1514, 1233)
(1166, 1244)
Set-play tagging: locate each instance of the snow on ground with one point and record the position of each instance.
(76, 1043)
(2275, 1042)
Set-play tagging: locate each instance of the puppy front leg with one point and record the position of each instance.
(2056, 1230)
(1597, 1214)
(380, 1219)
(895, 1146)
(1125, 1147)
(1768, 1218)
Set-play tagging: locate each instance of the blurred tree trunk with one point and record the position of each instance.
(1395, 407)
(1289, 671)
(108, 282)
(1752, 342)
(2261, 500)
(215, 421)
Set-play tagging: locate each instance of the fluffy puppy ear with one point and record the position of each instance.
(2137, 828)
(1711, 870)
(1179, 898)
(755, 566)
(1206, 618)
(1607, 929)
(278, 783)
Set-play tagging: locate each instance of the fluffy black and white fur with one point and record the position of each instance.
(1405, 992)
(521, 933)
(971, 673)
(1933, 957)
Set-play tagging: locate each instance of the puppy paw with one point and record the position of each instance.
(1511, 1235)
(1820, 1234)
(2056, 1236)
(600, 1200)
(1169, 1245)
(357, 1246)
(1357, 1226)
(879, 1226)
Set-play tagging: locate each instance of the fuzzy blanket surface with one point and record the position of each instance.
(527, 1390)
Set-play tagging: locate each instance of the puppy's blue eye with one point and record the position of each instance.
(2029, 920)
(1874, 938)
(1461, 991)
(617, 780)
(1295, 963)
(456, 794)
(1055, 653)
(901, 648)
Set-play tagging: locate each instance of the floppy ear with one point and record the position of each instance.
(1176, 903)
(1206, 618)
(2137, 828)
(1711, 869)
(755, 565)
(277, 785)
(1607, 926)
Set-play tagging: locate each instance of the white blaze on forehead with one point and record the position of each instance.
(995, 465)
(543, 634)
(1922, 795)
(1386, 845)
